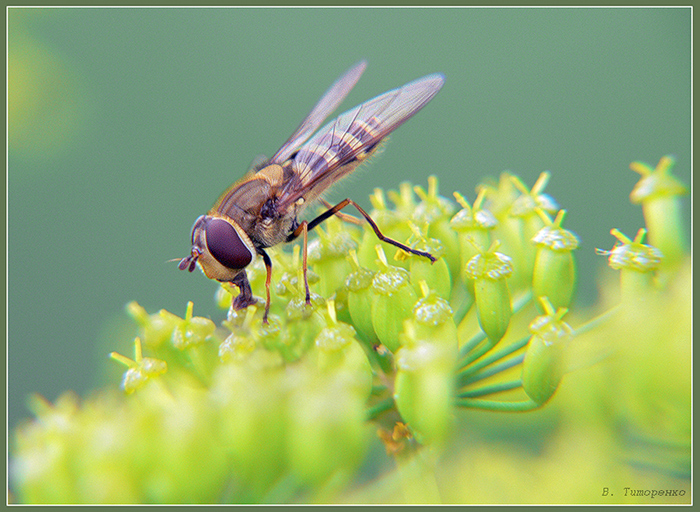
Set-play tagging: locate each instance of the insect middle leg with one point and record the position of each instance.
(303, 229)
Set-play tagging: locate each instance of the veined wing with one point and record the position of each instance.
(325, 157)
(325, 107)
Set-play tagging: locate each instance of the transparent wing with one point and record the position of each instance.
(325, 107)
(328, 155)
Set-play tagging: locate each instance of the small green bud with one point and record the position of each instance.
(637, 263)
(140, 368)
(422, 269)
(554, 275)
(522, 223)
(251, 399)
(659, 191)
(392, 301)
(489, 270)
(340, 355)
(240, 343)
(433, 320)
(543, 366)
(224, 295)
(472, 223)
(236, 347)
(191, 330)
(435, 211)
(424, 385)
(156, 329)
(328, 255)
(392, 223)
(327, 432)
(359, 284)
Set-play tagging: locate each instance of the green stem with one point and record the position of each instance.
(471, 377)
(467, 366)
(379, 407)
(464, 352)
(463, 301)
(493, 405)
(596, 321)
(471, 345)
(491, 389)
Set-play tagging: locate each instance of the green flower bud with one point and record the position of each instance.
(191, 330)
(659, 191)
(521, 224)
(489, 270)
(543, 366)
(302, 326)
(156, 329)
(340, 355)
(293, 337)
(554, 275)
(359, 284)
(637, 263)
(140, 368)
(224, 295)
(473, 226)
(433, 320)
(391, 222)
(240, 343)
(250, 396)
(392, 301)
(425, 378)
(422, 269)
(328, 255)
(424, 386)
(327, 432)
(435, 211)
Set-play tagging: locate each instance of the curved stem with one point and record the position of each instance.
(491, 389)
(468, 367)
(379, 407)
(494, 405)
(472, 377)
(471, 345)
(595, 322)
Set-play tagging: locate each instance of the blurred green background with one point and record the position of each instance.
(126, 124)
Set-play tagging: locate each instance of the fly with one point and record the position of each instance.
(262, 209)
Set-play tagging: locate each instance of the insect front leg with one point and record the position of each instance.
(245, 297)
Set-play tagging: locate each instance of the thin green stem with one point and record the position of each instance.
(596, 321)
(491, 389)
(471, 344)
(473, 377)
(464, 352)
(522, 301)
(463, 301)
(468, 366)
(474, 353)
(380, 407)
(494, 405)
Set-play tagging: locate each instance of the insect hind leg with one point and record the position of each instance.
(335, 209)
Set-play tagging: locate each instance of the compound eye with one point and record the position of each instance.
(226, 246)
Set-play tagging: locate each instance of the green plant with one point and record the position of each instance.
(391, 348)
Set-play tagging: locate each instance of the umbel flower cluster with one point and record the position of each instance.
(391, 348)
